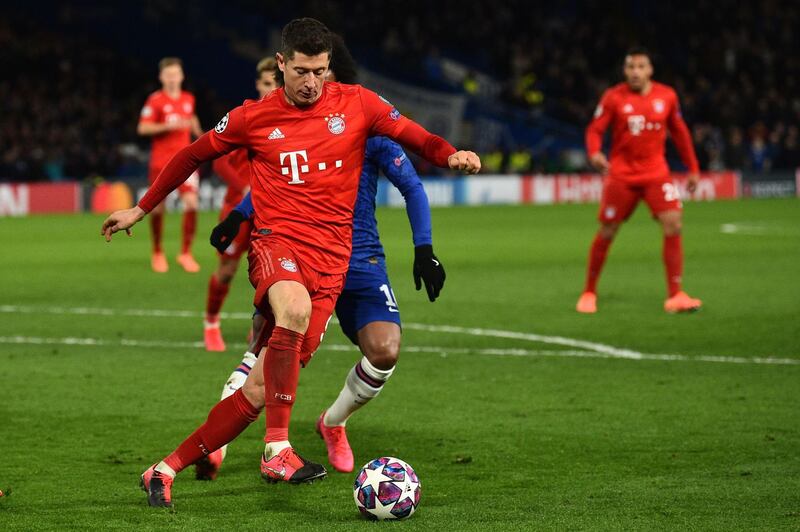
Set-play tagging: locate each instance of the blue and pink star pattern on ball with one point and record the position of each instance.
(387, 488)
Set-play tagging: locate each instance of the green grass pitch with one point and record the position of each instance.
(536, 430)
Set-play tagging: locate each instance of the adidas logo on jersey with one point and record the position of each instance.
(276, 134)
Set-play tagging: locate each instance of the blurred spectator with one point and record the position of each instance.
(493, 161)
(519, 161)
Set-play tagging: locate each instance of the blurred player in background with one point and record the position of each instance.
(640, 112)
(234, 169)
(367, 309)
(169, 117)
(306, 143)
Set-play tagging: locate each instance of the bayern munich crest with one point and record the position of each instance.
(288, 265)
(336, 123)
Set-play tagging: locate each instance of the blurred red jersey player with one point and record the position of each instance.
(169, 117)
(234, 169)
(640, 112)
(306, 144)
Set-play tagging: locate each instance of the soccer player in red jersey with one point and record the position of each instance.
(640, 112)
(234, 169)
(306, 143)
(168, 116)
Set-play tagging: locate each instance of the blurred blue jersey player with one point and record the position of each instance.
(367, 309)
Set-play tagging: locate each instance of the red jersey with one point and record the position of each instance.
(305, 164)
(234, 169)
(161, 109)
(639, 124)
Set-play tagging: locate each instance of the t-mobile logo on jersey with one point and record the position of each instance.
(296, 166)
(637, 124)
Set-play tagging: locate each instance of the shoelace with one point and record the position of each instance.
(337, 437)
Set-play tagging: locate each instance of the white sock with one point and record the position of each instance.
(364, 382)
(274, 447)
(164, 469)
(239, 375)
(236, 381)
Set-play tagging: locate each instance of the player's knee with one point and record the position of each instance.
(382, 352)
(671, 225)
(190, 202)
(226, 271)
(609, 231)
(295, 315)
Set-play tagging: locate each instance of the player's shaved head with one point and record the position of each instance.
(305, 35)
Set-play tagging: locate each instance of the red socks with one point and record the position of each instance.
(597, 257)
(189, 227)
(281, 372)
(673, 263)
(217, 292)
(156, 230)
(225, 421)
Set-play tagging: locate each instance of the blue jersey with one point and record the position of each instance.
(382, 154)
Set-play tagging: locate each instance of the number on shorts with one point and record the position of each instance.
(671, 192)
(391, 302)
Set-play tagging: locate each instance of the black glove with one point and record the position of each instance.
(428, 268)
(223, 234)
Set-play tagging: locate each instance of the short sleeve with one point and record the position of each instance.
(231, 131)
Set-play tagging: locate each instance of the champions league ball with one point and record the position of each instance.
(387, 488)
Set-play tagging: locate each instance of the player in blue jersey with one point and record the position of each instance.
(367, 309)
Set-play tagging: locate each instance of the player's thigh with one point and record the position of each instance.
(323, 303)
(618, 201)
(368, 297)
(270, 263)
(662, 196)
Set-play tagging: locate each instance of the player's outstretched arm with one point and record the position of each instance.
(386, 120)
(179, 168)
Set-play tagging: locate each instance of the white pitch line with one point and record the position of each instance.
(616, 352)
(440, 350)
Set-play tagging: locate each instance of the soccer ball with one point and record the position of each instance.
(387, 488)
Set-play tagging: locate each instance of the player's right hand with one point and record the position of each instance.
(121, 221)
(223, 234)
(599, 162)
(466, 161)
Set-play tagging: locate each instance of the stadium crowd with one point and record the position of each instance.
(71, 103)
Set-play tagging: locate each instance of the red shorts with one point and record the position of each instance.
(620, 198)
(272, 261)
(241, 243)
(192, 184)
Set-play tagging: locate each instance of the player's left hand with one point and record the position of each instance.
(466, 161)
(428, 268)
(691, 181)
(121, 221)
